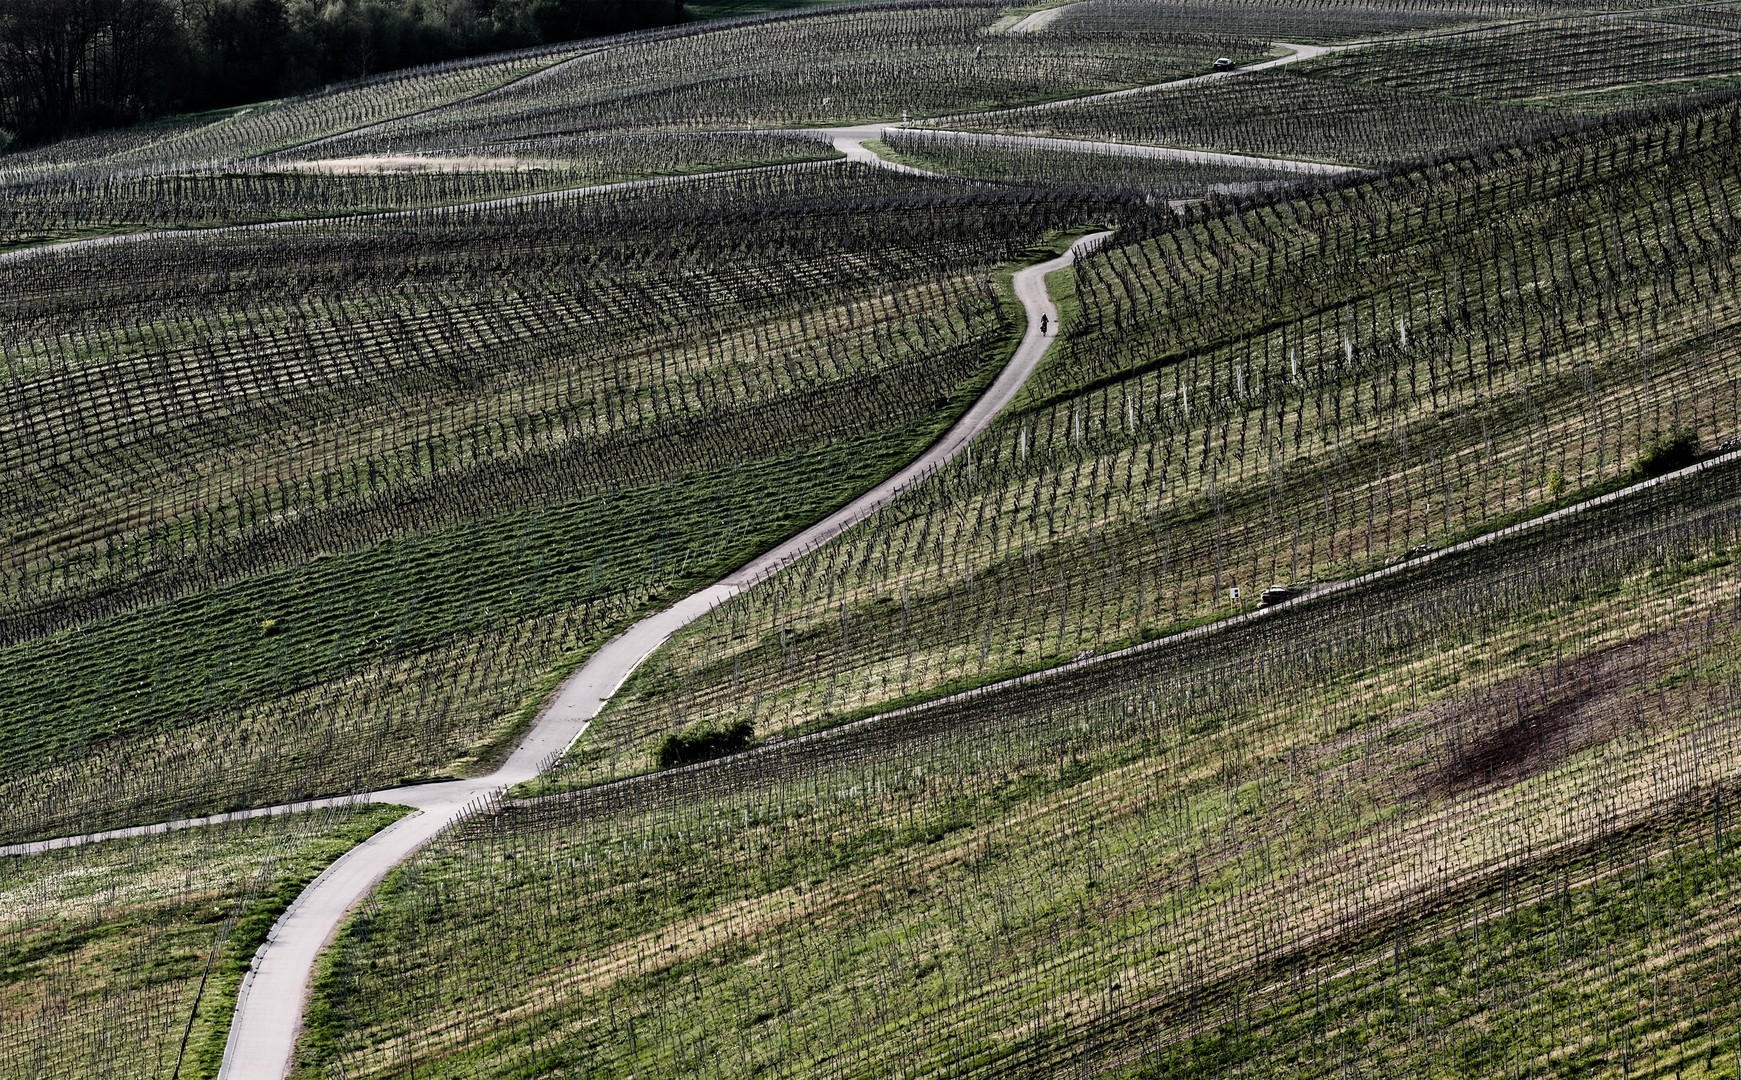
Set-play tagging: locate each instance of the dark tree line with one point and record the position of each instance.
(73, 65)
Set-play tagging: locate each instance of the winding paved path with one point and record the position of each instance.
(1295, 54)
(270, 1005)
(271, 1002)
(850, 140)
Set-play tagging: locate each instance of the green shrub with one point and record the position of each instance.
(1666, 453)
(704, 743)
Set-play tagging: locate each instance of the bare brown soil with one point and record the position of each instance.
(1527, 724)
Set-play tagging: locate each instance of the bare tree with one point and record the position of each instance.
(64, 61)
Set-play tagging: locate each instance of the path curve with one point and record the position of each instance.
(851, 142)
(1039, 20)
(272, 998)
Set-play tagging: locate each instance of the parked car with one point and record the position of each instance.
(1277, 594)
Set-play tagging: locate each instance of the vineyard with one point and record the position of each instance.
(1244, 402)
(1109, 174)
(123, 959)
(66, 207)
(847, 65)
(238, 134)
(1564, 63)
(1281, 114)
(1435, 97)
(1281, 20)
(1435, 828)
(1153, 538)
(303, 538)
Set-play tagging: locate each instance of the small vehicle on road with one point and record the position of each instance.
(1223, 63)
(1279, 594)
